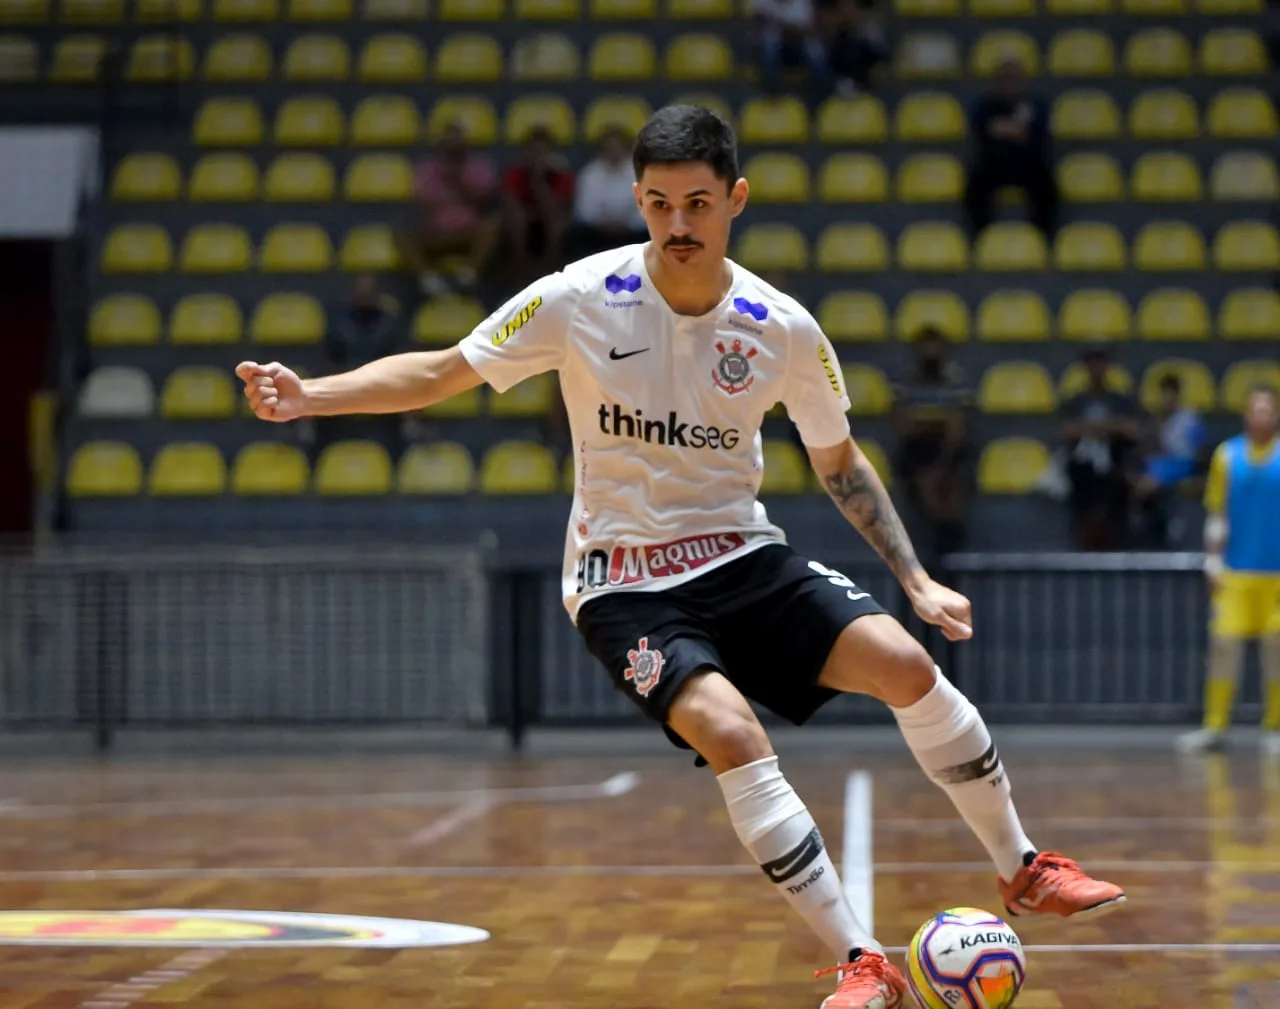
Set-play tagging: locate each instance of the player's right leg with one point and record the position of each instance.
(1231, 623)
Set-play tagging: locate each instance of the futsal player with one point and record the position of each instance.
(669, 356)
(1242, 565)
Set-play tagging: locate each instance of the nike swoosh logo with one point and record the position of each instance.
(615, 356)
(855, 596)
(797, 859)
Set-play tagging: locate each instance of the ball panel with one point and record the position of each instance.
(921, 987)
(965, 958)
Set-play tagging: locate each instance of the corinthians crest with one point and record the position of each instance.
(733, 371)
(646, 667)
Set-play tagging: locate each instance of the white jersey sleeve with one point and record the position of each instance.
(814, 392)
(526, 336)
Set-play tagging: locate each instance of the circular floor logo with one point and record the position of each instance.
(226, 929)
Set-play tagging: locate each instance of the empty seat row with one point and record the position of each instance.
(1073, 8)
(294, 319)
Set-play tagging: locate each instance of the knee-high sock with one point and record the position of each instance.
(1270, 655)
(775, 826)
(1220, 681)
(952, 746)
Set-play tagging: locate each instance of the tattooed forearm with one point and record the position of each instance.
(857, 490)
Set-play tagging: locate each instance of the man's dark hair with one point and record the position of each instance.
(1264, 389)
(1171, 382)
(678, 134)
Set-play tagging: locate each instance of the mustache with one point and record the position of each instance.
(682, 243)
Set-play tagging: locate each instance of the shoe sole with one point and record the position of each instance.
(1097, 911)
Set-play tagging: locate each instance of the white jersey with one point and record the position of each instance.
(665, 411)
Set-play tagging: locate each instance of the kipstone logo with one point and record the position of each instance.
(629, 284)
(754, 309)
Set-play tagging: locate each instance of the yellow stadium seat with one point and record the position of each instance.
(1090, 178)
(309, 121)
(778, 178)
(441, 468)
(269, 469)
(245, 10)
(476, 117)
(929, 117)
(469, 58)
(548, 10)
(1165, 177)
(944, 311)
(197, 392)
(414, 11)
(623, 10)
(1230, 6)
(927, 56)
(24, 12)
(868, 389)
(77, 59)
(1247, 246)
(1242, 377)
(700, 10)
(1016, 387)
(1011, 465)
(149, 177)
(1168, 246)
(1082, 52)
(781, 120)
(205, 319)
(1241, 114)
(1249, 314)
(216, 248)
(849, 248)
(926, 8)
(166, 12)
(392, 59)
(160, 59)
(314, 58)
(993, 48)
(544, 58)
(91, 12)
(1233, 52)
(1245, 176)
(295, 248)
(534, 397)
(858, 120)
(1154, 8)
(1199, 391)
(1010, 246)
(1164, 114)
(1089, 248)
(699, 56)
(228, 122)
(19, 60)
(239, 59)
(385, 121)
(470, 10)
(710, 101)
(187, 469)
(369, 248)
(773, 247)
(549, 111)
(310, 11)
(932, 247)
(624, 112)
(621, 56)
(116, 393)
(1013, 316)
(786, 470)
(375, 178)
(223, 178)
(287, 319)
(930, 178)
(353, 469)
(298, 178)
(104, 469)
(853, 178)
(1084, 114)
(1173, 314)
(1002, 8)
(518, 467)
(447, 320)
(137, 248)
(124, 320)
(1090, 316)
(1075, 380)
(853, 316)
(1157, 52)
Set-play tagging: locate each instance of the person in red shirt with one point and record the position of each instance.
(537, 196)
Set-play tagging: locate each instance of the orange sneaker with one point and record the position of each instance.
(870, 982)
(1053, 884)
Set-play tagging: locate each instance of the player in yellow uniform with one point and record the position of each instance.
(1242, 564)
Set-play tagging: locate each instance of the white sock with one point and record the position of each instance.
(953, 747)
(774, 825)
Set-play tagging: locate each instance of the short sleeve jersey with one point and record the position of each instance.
(665, 412)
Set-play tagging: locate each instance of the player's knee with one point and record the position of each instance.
(719, 724)
(907, 673)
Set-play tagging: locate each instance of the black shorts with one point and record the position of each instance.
(767, 621)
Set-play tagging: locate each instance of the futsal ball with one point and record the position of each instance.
(965, 958)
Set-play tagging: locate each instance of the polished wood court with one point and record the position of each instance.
(617, 883)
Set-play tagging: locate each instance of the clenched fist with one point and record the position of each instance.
(274, 391)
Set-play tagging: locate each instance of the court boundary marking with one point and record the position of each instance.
(857, 864)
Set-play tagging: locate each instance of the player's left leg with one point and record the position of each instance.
(1269, 652)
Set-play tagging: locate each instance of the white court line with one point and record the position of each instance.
(1148, 947)
(117, 996)
(856, 864)
(439, 829)
(933, 826)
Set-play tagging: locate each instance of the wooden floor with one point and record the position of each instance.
(618, 883)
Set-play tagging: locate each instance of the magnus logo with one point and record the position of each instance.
(632, 565)
(669, 431)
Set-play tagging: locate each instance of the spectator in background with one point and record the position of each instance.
(930, 415)
(1178, 453)
(789, 37)
(1011, 131)
(1100, 430)
(605, 211)
(365, 328)
(537, 198)
(857, 48)
(455, 204)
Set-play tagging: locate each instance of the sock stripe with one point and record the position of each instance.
(795, 861)
(971, 770)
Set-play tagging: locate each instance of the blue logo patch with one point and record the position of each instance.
(751, 308)
(616, 285)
